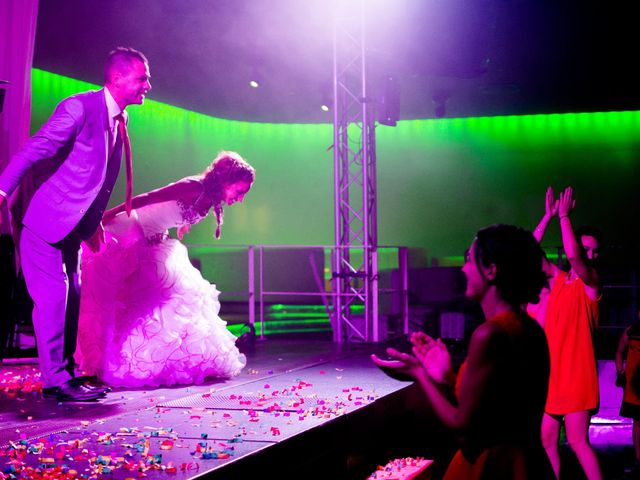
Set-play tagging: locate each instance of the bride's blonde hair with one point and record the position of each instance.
(227, 168)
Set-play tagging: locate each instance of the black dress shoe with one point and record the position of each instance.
(91, 384)
(72, 391)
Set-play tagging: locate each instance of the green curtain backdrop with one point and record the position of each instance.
(438, 180)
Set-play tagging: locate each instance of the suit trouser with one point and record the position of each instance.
(52, 275)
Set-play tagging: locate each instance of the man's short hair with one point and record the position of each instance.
(121, 59)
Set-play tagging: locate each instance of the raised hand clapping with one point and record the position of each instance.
(566, 203)
(551, 204)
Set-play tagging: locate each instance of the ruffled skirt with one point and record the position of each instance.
(149, 318)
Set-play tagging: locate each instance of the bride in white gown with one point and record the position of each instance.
(147, 317)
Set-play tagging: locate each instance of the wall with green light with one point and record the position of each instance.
(438, 180)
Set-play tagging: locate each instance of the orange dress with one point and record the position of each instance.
(503, 442)
(571, 319)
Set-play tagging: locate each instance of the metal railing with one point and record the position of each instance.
(258, 290)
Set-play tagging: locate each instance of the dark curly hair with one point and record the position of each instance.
(518, 260)
(587, 231)
(227, 168)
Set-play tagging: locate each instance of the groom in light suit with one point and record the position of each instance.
(74, 161)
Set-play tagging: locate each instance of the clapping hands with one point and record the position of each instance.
(563, 206)
(400, 365)
(430, 357)
(566, 203)
(551, 204)
(433, 355)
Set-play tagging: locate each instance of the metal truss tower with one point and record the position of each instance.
(354, 263)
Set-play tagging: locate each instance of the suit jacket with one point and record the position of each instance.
(67, 159)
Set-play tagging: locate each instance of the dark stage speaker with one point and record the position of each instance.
(432, 288)
(388, 112)
(436, 301)
(294, 270)
(2, 93)
(286, 270)
(435, 285)
(15, 314)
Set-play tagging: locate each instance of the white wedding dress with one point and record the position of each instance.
(147, 317)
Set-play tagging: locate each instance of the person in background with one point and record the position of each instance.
(570, 319)
(501, 388)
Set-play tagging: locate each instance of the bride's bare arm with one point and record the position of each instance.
(185, 190)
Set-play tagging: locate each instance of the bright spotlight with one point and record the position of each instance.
(254, 84)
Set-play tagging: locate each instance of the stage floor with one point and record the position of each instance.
(288, 389)
(301, 409)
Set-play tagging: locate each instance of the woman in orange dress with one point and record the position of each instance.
(569, 322)
(501, 387)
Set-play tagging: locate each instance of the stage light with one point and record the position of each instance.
(256, 78)
(326, 98)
